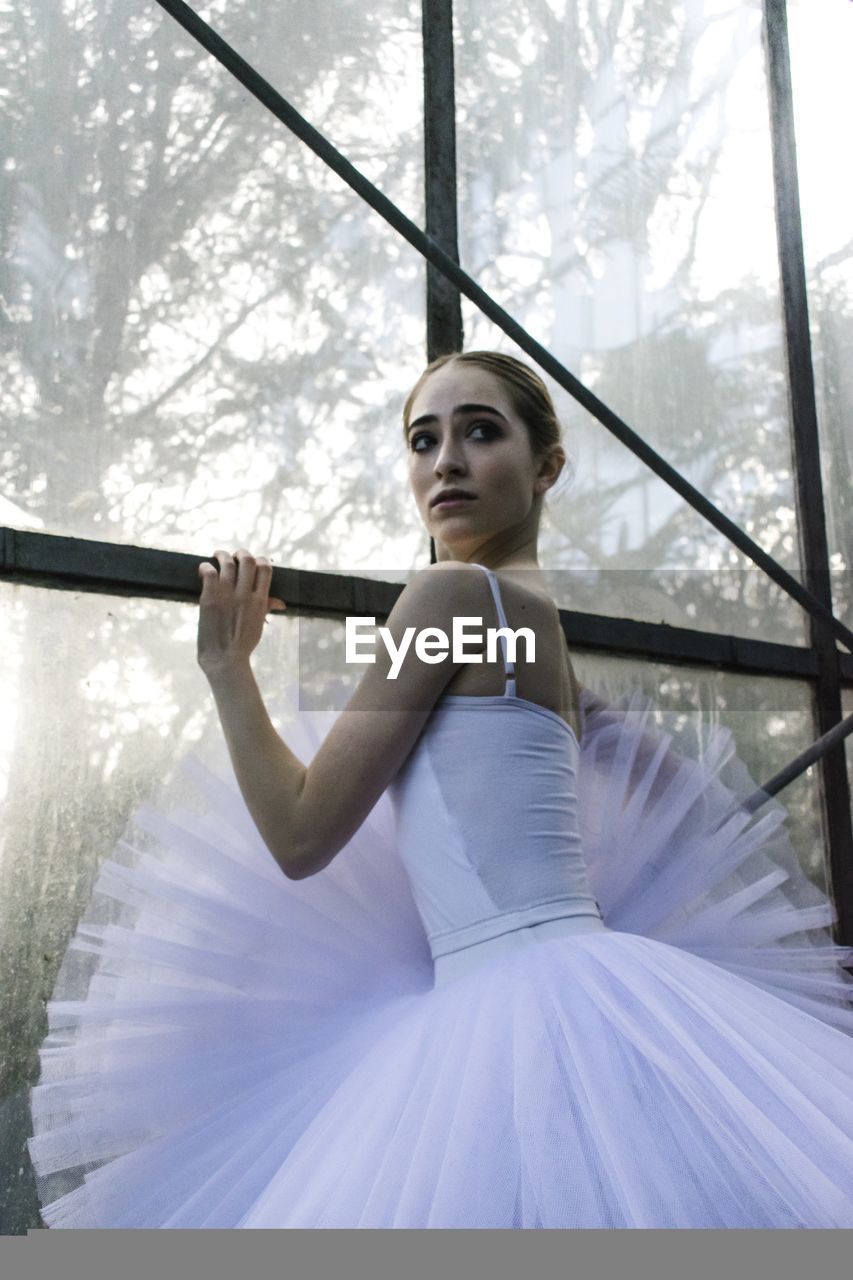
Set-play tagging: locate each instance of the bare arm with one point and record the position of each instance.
(270, 776)
(306, 814)
(232, 611)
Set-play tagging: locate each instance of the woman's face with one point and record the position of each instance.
(484, 450)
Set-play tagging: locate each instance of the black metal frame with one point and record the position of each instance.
(443, 310)
(81, 564)
(811, 511)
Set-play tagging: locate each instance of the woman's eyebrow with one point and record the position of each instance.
(460, 408)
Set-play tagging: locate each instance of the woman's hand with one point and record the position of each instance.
(232, 610)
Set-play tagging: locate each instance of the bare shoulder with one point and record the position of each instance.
(378, 728)
(442, 566)
(456, 586)
(450, 571)
(444, 588)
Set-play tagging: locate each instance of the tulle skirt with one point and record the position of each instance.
(229, 1048)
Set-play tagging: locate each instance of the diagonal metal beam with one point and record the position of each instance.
(814, 752)
(429, 249)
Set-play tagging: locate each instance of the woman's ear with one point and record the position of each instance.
(550, 468)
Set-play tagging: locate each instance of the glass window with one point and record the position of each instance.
(771, 721)
(616, 195)
(212, 334)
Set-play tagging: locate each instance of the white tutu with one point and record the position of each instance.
(235, 1049)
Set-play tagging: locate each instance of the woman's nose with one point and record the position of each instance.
(449, 458)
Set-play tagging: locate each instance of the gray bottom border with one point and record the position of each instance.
(426, 1255)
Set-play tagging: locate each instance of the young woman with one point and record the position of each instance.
(501, 956)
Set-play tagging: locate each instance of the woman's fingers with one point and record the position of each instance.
(263, 575)
(263, 578)
(234, 602)
(228, 566)
(254, 573)
(247, 573)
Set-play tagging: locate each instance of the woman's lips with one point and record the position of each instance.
(449, 503)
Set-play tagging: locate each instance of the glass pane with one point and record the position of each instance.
(821, 40)
(616, 197)
(771, 721)
(212, 334)
(101, 697)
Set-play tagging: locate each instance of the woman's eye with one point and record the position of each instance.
(477, 426)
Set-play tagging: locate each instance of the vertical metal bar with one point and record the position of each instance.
(443, 300)
(811, 515)
(444, 304)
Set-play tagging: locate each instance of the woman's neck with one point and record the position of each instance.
(524, 567)
(523, 555)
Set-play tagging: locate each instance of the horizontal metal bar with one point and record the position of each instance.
(629, 637)
(428, 248)
(109, 568)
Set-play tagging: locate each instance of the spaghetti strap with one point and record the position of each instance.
(509, 667)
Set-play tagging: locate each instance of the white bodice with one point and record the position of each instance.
(486, 813)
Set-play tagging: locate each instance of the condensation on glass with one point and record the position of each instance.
(213, 335)
(102, 698)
